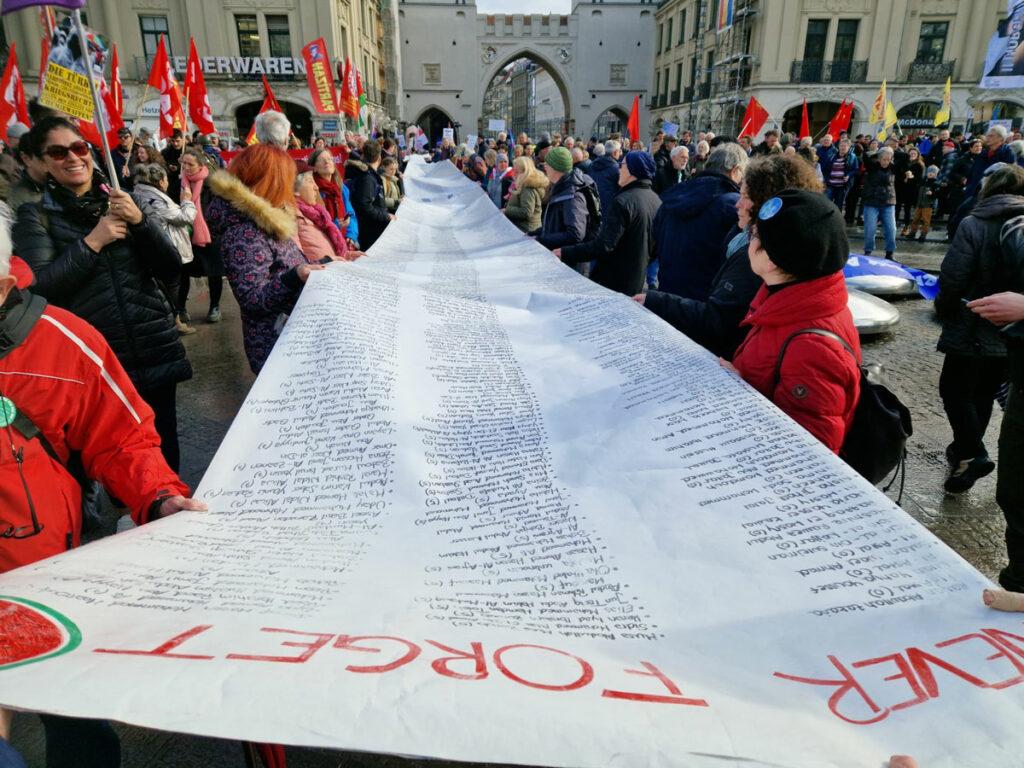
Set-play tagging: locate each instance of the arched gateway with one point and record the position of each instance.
(461, 63)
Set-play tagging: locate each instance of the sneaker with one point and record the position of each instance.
(967, 473)
(185, 317)
(921, 239)
(1011, 579)
(184, 329)
(214, 315)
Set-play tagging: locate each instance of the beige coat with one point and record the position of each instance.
(525, 203)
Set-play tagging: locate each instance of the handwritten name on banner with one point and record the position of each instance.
(479, 508)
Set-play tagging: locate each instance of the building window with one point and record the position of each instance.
(279, 37)
(932, 44)
(668, 35)
(152, 27)
(431, 74)
(664, 99)
(682, 26)
(617, 74)
(814, 43)
(657, 83)
(660, 38)
(679, 78)
(248, 35)
(846, 39)
(693, 70)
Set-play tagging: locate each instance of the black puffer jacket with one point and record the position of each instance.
(366, 190)
(973, 268)
(879, 183)
(115, 290)
(624, 245)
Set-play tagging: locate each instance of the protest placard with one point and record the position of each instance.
(67, 91)
(495, 125)
(500, 514)
(448, 133)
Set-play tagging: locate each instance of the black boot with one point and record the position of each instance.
(888, 255)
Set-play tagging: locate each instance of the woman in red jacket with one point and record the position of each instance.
(798, 246)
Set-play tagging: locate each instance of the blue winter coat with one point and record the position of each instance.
(826, 156)
(604, 171)
(690, 228)
(982, 163)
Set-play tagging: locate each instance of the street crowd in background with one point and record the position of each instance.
(740, 246)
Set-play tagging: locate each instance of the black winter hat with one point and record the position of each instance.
(803, 233)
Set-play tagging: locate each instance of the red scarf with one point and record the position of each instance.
(330, 192)
(322, 220)
(200, 232)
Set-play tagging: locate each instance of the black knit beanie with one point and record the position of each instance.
(803, 233)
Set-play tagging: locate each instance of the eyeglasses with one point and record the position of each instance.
(58, 152)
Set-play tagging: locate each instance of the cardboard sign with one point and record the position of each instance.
(67, 91)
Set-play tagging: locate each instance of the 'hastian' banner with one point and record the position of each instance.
(477, 507)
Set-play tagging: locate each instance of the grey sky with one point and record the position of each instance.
(523, 6)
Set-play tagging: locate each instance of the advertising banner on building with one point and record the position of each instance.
(1004, 63)
(477, 507)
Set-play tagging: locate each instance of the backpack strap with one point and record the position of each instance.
(809, 331)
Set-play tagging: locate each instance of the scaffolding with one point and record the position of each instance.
(717, 99)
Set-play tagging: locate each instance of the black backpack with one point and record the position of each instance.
(593, 210)
(876, 443)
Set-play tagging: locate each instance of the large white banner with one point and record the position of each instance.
(476, 507)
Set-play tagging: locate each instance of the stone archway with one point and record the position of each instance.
(298, 115)
(612, 120)
(433, 120)
(548, 120)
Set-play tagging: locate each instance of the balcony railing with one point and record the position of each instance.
(703, 91)
(930, 71)
(687, 94)
(674, 98)
(813, 71)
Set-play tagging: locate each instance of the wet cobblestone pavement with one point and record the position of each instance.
(971, 524)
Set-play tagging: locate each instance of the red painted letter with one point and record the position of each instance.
(311, 648)
(843, 686)
(1001, 652)
(440, 665)
(165, 649)
(348, 643)
(585, 677)
(905, 673)
(920, 661)
(649, 670)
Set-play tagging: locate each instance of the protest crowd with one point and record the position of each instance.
(739, 245)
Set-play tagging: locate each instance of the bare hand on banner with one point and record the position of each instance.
(640, 298)
(303, 270)
(557, 253)
(175, 504)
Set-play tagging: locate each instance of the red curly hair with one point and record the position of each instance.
(268, 171)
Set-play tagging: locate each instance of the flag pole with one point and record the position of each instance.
(100, 120)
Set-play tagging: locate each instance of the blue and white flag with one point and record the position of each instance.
(859, 265)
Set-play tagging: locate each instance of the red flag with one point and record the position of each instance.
(161, 77)
(195, 93)
(115, 83)
(158, 73)
(841, 121)
(350, 91)
(269, 104)
(753, 119)
(805, 124)
(44, 57)
(13, 107)
(633, 126)
(114, 120)
(318, 75)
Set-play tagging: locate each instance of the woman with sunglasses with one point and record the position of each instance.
(95, 254)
